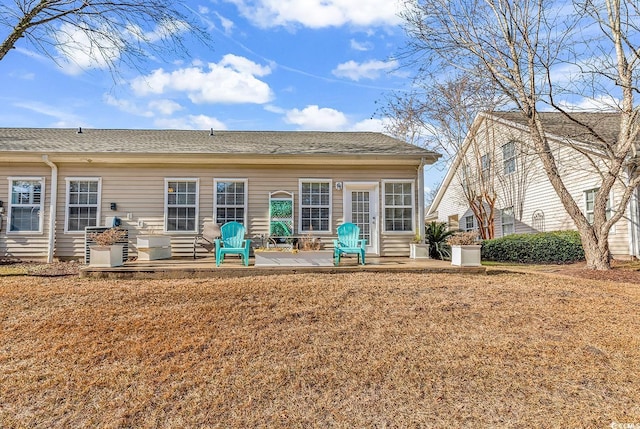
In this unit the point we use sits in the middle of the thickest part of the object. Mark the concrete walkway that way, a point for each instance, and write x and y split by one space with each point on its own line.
232 267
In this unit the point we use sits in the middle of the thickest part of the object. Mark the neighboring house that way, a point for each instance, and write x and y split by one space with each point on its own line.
56 182
496 150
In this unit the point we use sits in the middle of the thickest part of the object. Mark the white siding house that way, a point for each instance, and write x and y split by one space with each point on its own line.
526 201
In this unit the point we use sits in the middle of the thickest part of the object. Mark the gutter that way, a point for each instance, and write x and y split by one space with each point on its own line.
421 216
53 202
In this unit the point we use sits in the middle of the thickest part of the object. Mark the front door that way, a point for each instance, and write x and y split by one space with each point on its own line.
361 208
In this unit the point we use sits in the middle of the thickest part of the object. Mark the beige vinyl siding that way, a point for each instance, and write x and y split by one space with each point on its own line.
25 245
138 190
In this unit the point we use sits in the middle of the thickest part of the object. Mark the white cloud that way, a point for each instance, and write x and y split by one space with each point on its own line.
165 107
63 119
190 122
127 106
226 23
360 46
373 125
599 104
232 80
78 53
317 119
319 13
369 70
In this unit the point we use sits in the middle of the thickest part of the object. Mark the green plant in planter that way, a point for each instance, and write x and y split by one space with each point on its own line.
436 234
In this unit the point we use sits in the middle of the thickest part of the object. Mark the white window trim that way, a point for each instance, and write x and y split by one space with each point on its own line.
610 204
300 206
474 222
11 179
413 207
502 223
246 197
66 203
514 158
196 222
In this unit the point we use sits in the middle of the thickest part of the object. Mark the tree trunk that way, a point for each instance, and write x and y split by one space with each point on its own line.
596 251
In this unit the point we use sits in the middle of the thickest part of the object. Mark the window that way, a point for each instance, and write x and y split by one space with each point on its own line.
25 204
83 202
509 158
470 223
181 208
508 221
315 205
398 206
230 196
590 200
485 165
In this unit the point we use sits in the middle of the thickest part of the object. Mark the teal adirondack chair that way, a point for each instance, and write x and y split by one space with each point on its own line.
232 242
348 242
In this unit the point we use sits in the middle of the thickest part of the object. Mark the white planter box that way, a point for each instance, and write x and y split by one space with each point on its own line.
466 255
152 247
306 258
419 251
105 256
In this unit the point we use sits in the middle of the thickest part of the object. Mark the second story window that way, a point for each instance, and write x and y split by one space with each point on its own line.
509 158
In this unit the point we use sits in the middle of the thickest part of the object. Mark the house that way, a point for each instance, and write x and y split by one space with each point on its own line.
54 183
497 155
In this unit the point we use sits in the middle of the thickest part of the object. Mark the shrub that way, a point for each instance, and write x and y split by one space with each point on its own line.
559 247
436 234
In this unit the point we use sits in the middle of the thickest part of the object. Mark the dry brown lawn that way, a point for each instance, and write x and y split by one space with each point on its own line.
326 350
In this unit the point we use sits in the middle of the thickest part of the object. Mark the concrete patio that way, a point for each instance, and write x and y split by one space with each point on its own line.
233 267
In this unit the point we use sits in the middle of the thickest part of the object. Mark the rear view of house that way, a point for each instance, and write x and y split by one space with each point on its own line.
54 183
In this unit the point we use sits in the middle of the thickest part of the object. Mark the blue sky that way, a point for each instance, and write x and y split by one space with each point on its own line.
274 65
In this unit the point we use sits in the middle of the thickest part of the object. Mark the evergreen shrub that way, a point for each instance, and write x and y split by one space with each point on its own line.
558 247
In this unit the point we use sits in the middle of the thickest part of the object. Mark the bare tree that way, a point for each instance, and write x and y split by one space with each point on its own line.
439 117
538 52
107 32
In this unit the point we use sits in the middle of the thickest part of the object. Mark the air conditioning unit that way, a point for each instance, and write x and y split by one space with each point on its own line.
97 229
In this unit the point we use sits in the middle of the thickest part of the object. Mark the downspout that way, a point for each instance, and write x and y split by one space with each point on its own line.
53 202
420 226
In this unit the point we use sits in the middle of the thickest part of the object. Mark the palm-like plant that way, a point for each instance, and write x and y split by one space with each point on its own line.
437 233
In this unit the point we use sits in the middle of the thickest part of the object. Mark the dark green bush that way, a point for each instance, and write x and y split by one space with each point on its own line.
559 247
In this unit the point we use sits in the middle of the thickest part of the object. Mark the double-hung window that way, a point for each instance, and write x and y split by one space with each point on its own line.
230 200
398 206
25 208
470 223
508 221
485 165
315 205
509 158
83 203
590 200
181 205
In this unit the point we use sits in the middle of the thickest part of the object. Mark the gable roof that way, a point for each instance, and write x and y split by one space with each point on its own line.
97 141
605 124
557 126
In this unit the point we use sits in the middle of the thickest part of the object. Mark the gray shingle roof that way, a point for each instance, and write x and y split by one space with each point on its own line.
58 140
605 124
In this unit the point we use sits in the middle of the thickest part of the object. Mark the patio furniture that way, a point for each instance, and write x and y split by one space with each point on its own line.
348 242
210 231
232 242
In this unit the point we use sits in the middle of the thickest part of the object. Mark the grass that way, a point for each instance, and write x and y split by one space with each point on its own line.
319 350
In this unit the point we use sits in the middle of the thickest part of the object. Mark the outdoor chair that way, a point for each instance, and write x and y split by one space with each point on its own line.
210 231
232 242
348 242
